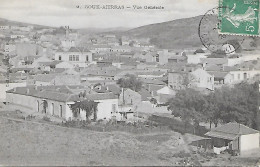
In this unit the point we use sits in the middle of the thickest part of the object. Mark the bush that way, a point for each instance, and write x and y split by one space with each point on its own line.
45 118
101 126
177 125
181 154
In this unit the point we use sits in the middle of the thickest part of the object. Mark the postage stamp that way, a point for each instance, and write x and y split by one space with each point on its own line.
239 17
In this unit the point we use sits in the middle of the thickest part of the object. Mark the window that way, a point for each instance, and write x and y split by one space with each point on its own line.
113 107
38 106
86 57
157 58
70 58
52 107
73 58
60 110
245 76
59 57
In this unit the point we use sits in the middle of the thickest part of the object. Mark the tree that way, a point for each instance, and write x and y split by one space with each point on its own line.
87 105
131 82
234 104
189 105
228 104
153 101
214 106
187 80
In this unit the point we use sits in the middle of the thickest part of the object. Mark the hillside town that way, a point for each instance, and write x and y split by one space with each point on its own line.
64 75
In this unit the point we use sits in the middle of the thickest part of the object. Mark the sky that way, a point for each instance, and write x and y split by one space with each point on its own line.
58 13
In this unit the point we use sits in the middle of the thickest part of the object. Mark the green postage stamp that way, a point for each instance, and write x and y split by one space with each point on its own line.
239 17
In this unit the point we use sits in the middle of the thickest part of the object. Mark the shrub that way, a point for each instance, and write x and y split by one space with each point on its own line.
45 118
181 154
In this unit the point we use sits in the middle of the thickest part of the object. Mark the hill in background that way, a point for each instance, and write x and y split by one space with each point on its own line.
4 22
182 33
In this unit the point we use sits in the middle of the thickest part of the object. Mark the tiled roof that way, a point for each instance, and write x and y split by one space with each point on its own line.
78 49
101 96
153 81
59 93
57 96
218 74
121 47
55 62
58 70
166 90
214 60
100 46
128 53
31 58
45 77
144 94
114 88
250 64
150 73
231 131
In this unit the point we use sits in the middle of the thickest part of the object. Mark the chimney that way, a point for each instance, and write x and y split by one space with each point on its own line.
15 89
27 91
36 87
107 88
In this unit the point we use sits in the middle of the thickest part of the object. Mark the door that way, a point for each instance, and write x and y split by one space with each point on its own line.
60 110
38 106
245 76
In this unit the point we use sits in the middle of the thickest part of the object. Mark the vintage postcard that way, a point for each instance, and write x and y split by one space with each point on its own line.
129 83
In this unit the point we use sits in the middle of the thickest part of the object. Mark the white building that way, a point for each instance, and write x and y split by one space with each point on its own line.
77 56
202 79
234 136
243 74
57 101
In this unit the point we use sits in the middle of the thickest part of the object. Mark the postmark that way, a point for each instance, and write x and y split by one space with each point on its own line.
239 17
212 39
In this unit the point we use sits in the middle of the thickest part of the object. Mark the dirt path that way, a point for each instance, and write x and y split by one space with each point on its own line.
195 157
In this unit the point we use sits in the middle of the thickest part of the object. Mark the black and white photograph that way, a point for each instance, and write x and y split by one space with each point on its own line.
129 83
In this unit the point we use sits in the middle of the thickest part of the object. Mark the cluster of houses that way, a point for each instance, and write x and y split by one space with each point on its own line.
46 70
41 61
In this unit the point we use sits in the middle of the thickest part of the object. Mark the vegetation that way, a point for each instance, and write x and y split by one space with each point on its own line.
190 106
153 101
131 82
239 104
86 105
45 118
135 128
